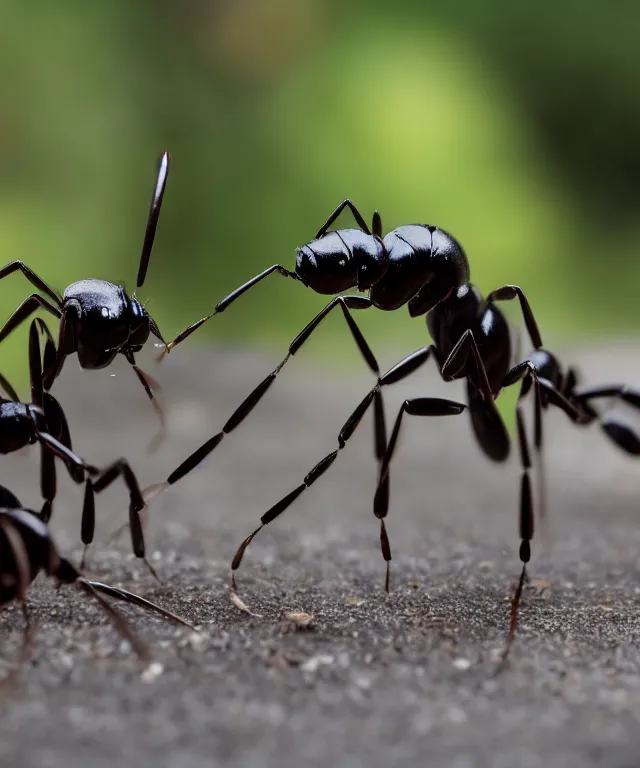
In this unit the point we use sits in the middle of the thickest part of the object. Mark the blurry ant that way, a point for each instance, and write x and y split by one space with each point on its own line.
43 421
26 548
421 266
98 319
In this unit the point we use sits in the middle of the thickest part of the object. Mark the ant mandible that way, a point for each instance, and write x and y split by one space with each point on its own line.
44 421
98 319
425 268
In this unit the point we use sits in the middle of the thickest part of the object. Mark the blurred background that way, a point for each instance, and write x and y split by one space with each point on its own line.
516 128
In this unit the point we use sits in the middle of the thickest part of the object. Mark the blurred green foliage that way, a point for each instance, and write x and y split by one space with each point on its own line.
513 126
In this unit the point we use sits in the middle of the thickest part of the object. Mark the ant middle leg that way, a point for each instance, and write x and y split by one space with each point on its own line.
398 372
104 479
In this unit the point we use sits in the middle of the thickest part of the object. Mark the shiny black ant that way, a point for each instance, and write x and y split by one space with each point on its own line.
26 548
43 421
98 319
421 266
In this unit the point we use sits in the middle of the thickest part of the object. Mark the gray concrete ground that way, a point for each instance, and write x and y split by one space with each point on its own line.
373 680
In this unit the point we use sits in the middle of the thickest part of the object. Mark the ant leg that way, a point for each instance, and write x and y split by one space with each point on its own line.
152 219
20 555
67 455
50 357
318 470
508 292
488 426
28 307
153 327
119 622
88 522
66 346
129 597
526 501
527 372
418 406
224 303
150 386
399 371
136 504
619 432
48 482
14 266
356 215
345 303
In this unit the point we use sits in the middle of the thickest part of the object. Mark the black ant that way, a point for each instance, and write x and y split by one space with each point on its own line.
43 421
421 266
98 319
26 548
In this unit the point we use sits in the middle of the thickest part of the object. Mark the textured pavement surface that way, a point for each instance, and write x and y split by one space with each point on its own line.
403 680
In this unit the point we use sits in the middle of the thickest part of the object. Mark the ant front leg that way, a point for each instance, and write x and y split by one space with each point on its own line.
224 303
345 303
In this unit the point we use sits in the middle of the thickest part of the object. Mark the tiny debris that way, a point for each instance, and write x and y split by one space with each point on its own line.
461 663
299 618
354 600
153 671
197 641
540 584
235 599
313 663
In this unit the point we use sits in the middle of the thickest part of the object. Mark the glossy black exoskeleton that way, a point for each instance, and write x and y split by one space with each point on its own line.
26 548
44 421
415 264
98 319
425 268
